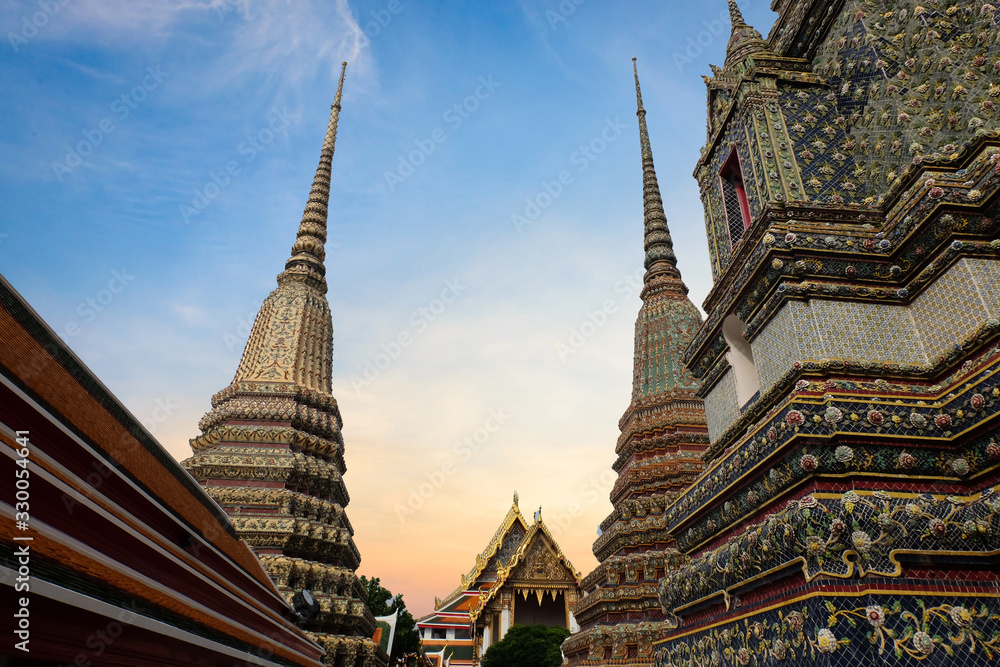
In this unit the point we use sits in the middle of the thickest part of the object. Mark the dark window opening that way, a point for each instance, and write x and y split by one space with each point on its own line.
734 198
439 633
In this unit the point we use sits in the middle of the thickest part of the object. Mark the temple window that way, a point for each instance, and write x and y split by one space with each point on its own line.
439 633
734 198
740 358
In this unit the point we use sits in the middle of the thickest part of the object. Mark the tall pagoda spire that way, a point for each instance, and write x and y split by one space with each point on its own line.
271 451
308 252
657 242
663 433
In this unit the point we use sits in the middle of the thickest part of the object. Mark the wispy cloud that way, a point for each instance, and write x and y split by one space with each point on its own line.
352 42
118 20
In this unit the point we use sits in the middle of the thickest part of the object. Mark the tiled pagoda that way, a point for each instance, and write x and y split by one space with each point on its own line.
663 434
271 451
849 513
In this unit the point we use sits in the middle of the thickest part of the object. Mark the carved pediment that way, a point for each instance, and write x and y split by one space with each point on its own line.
541 563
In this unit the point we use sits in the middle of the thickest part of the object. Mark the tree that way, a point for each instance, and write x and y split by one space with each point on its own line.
528 646
381 601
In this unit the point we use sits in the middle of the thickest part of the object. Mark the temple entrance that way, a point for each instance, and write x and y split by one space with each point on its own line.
550 612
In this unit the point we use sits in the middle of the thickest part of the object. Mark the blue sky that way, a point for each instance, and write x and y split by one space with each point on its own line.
156 157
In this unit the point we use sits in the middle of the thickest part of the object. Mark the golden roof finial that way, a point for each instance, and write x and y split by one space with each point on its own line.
515 498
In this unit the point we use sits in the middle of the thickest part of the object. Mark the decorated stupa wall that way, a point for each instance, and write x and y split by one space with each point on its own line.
848 512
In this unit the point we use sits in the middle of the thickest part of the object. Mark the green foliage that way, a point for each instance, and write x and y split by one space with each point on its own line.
527 646
381 601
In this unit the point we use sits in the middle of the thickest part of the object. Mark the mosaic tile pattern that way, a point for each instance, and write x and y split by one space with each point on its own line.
720 405
887 104
867 331
818 532
921 333
790 336
948 311
872 627
970 401
775 349
986 274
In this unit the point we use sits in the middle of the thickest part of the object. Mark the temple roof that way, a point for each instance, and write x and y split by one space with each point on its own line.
127 534
508 536
537 531
495 564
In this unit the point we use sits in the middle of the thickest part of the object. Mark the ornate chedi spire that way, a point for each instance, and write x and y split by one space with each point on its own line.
308 253
656 238
271 451
744 39
663 434
664 295
735 16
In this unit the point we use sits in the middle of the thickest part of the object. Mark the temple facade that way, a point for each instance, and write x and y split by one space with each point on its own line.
271 451
521 577
849 511
663 434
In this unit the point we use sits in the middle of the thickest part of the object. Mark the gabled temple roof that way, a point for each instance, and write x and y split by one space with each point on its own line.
510 524
536 531
505 551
